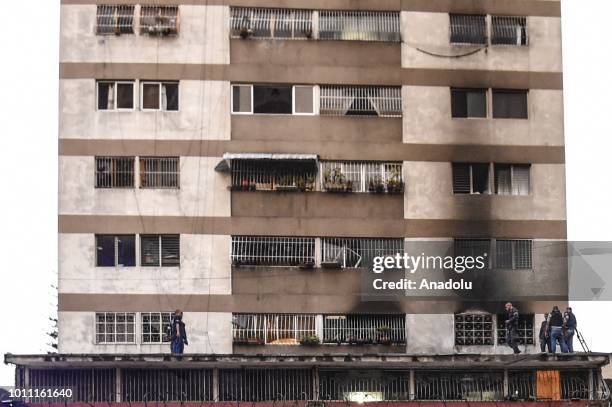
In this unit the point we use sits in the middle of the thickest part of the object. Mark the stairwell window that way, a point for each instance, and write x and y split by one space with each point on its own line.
155 327
114 19
510 104
471 178
273 99
469 103
509 30
115 250
512 179
160 250
159 96
468 29
114 172
115 327
115 95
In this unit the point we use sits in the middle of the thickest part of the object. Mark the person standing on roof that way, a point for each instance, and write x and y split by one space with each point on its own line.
555 325
570 323
512 327
178 334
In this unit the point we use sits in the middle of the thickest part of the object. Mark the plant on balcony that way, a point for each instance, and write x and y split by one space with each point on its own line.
335 181
286 184
310 340
376 185
384 335
395 185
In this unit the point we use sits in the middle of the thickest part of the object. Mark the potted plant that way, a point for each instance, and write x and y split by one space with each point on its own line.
376 185
384 335
335 181
395 185
310 183
309 340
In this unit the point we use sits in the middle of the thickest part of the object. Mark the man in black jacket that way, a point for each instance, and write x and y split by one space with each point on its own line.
544 335
570 323
512 327
178 334
555 325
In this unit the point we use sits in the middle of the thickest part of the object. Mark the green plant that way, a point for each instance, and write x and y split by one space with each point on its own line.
395 185
376 185
310 340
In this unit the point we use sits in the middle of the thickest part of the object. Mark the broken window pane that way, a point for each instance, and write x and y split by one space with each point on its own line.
150 96
269 99
469 103
304 99
509 104
125 95
241 99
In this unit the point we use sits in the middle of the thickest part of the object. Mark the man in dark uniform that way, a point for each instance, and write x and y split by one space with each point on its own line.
512 327
178 335
555 325
569 320
544 335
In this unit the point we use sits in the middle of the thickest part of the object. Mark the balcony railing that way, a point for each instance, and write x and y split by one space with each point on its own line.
469 386
273 329
359 26
357 252
265 23
159 20
273 251
354 176
115 19
273 175
382 101
364 329
468 29
364 385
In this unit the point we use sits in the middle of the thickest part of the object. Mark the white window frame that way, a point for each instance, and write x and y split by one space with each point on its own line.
115 89
315 100
232 98
95 328
293 105
159 84
161 332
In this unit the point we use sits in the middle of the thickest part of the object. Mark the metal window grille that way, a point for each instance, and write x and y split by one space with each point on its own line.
525 329
265 384
364 329
473 248
160 250
115 19
473 329
522 385
506 30
357 252
363 176
575 384
514 254
359 26
87 385
262 175
159 172
382 385
115 327
468 29
155 327
271 23
273 329
273 250
159 20
167 385
383 101
114 172
469 386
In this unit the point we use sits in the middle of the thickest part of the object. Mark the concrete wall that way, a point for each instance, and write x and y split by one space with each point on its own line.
429 195
207 332
430 32
428 119
203 191
205 269
203 38
204 114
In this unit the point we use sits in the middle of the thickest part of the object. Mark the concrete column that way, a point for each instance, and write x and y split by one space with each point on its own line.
315 383
506 384
26 380
591 385
215 384
118 385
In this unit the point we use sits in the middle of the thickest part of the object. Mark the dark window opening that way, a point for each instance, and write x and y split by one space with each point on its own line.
269 99
471 178
469 103
115 251
509 104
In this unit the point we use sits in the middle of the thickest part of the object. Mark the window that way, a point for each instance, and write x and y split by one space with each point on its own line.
525 329
471 178
272 99
473 329
115 19
359 26
509 104
159 172
512 179
273 329
355 176
357 252
115 251
473 248
383 101
114 172
273 251
160 96
469 103
364 329
115 327
159 20
155 327
509 30
468 29
160 250
271 23
115 95
514 254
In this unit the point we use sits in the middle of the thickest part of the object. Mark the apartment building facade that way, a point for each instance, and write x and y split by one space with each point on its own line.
245 161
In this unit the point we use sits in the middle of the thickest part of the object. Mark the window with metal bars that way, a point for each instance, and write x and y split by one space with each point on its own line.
273 251
575 385
473 329
364 329
160 250
512 179
115 19
514 254
509 30
510 104
382 101
264 23
115 327
166 385
159 96
468 29
473 248
359 26
357 252
272 329
457 385
87 385
159 20
115 251
356 176
115 95
159 172
525 329
270 175
155 327
265 384
114 172
364 385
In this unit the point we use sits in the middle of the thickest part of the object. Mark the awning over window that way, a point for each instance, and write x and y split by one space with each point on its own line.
225 164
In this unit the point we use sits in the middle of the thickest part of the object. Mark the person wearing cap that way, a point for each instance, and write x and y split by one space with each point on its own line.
178 335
